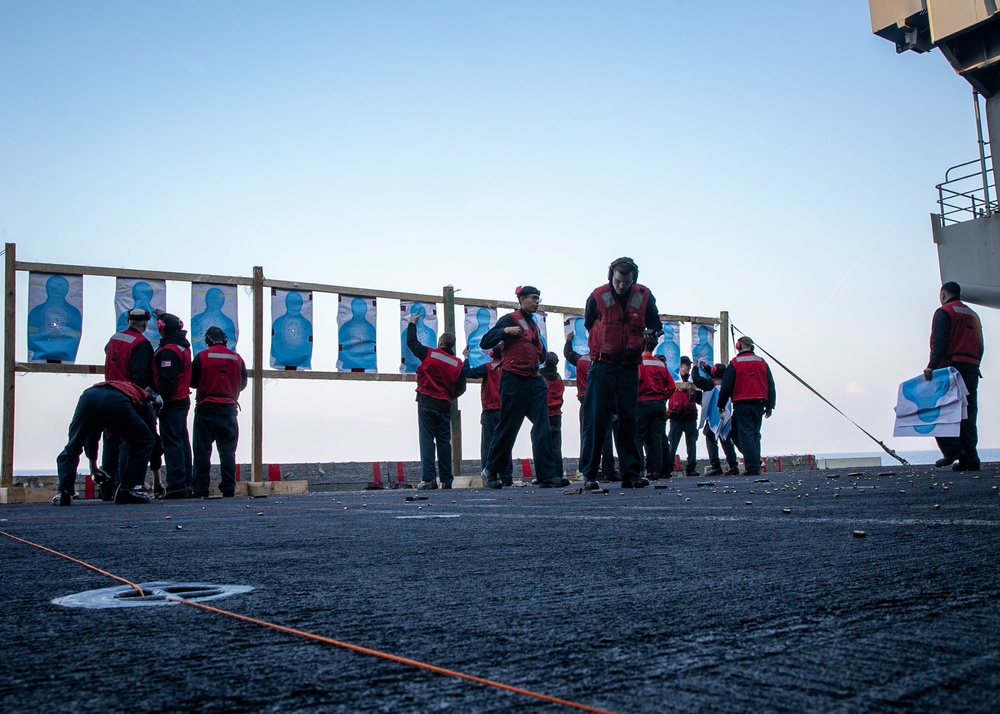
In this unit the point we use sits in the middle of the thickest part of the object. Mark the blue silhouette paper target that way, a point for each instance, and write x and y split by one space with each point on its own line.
581 344
669 345
356 334
55 317
292 329
213 306
539 318
142 293
932 407
703 344
427 325
478 321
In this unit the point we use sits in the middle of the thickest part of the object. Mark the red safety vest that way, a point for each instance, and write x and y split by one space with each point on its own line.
523 354
220 377
965 340
137 395
582 369
438 373
682 403
489 393
118 355
655 380
616 336
555 400
182 390
751 377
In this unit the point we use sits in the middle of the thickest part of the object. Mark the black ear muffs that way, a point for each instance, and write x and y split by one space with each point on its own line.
626 264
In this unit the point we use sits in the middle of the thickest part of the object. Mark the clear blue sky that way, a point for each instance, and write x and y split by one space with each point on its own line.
772 159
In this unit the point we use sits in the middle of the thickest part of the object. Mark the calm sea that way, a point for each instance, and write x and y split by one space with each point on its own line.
914 457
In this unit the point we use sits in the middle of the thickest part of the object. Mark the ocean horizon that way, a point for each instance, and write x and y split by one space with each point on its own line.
913 457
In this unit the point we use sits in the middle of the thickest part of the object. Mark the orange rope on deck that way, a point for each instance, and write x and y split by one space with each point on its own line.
395 658
78 562
346 645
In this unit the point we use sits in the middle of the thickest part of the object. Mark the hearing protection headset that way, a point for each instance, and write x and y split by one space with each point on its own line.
624 265
160 324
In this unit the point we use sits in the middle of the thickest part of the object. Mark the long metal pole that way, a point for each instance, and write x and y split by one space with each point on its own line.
9 344
982 154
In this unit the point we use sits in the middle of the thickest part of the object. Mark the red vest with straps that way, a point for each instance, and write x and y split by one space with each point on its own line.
655 380
616 336
555 399
220 376
166 354
438 373
523 354
965 340
582 369
137 395
118 355
751 377
683 403
489 393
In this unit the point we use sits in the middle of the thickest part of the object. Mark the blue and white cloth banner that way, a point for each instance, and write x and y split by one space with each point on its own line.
214 306
718 424
427 325
539 318
933 407
292 329
478 321
703 344
709 409
669 345
581 342
356 334
142 293
55 317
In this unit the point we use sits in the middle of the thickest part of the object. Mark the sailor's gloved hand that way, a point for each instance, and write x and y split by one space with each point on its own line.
100 476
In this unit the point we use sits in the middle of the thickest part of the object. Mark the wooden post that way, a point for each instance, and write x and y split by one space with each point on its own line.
9 345
257 457
456 413
724 337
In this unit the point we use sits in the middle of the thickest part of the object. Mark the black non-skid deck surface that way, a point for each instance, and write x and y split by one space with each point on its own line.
683 598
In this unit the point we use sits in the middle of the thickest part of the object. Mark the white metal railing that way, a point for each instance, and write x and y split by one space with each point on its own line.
967 192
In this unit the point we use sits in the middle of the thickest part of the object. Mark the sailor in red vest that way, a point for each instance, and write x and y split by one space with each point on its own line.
708 379
682 411
489 395
172 381
440 381
617 316
957 341
748 382
523 393
655 387
123 409
582 364
555 403
128 357
218 375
